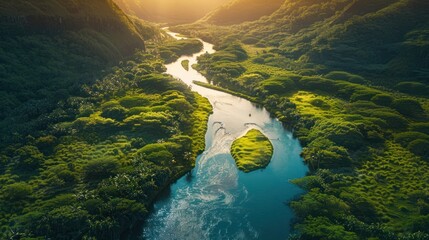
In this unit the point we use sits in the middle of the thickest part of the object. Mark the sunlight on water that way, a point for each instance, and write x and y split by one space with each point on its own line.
216 201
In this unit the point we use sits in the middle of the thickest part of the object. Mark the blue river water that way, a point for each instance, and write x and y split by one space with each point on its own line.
216 200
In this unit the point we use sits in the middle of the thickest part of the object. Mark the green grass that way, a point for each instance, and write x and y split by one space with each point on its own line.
199 123
252 151
185 64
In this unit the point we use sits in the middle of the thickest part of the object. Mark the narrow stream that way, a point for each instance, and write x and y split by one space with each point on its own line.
215 200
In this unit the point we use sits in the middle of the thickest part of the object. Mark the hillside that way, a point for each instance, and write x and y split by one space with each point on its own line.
67 44
91 130
239 11
169 11
335 34
350 78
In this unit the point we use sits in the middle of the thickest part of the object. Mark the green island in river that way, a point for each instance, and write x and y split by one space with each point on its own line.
252 151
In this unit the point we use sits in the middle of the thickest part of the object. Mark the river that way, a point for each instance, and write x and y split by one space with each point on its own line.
217 201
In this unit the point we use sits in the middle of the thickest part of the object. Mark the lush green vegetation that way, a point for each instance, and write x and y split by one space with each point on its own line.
95 173
91 128
252 151
172 50
365 144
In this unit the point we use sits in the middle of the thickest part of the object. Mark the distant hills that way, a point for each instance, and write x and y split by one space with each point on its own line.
238 11
169 11
370 37
383 39
51 16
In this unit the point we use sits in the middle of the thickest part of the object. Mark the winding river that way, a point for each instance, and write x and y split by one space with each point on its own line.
215 200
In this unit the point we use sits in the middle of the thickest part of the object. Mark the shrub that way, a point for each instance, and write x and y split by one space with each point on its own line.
116 113
17 191
413 88
323 228
419 147
404 138
156 153
28 157
365 95
382 99
339 75
340 132
316 204
134 101
277 85
420 127
393 120
408 107
100 169
322 153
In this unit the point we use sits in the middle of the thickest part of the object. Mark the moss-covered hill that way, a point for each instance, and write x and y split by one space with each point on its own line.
252 151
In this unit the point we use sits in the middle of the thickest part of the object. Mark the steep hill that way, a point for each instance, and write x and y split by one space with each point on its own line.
49 49
170 11
239 11
371 37
387 41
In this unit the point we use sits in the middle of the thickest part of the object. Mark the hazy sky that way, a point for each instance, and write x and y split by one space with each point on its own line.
164 10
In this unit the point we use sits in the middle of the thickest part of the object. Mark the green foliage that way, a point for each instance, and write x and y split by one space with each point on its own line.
413 88
382 99
277 85
134 101
420 147
420 127
322 153
323 228
404 138
116 113
306 65
28 157
408 107
100 168
339 75
252 151
318 204
17 192
342 133
172 50
90 173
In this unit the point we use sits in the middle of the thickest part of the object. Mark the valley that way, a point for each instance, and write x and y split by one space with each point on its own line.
113 127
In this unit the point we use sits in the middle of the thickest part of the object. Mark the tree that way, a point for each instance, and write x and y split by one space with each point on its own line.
28 157
408 107
321 228
100 168
17 191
